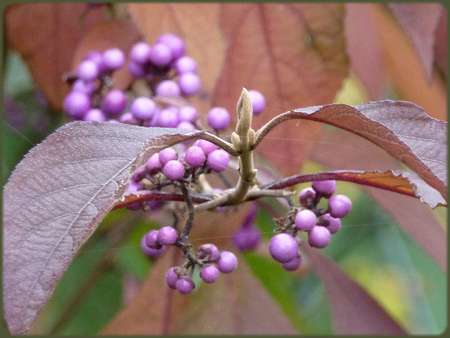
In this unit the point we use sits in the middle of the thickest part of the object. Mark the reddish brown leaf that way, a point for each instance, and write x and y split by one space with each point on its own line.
342 150
402 129
365 49
114 33
441 44
354 311
420 22
46 36
406 71
294 54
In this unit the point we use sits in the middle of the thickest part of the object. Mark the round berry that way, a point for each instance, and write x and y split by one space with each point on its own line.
167 155
173 170
332 224
167 235
77 104
187 113
293 264
128 118
258 101
143 108
151 252
87 70
319 237
339 205
209 274
219 118
175 44
227 262
84 87
140 53
153 164
283 247
151 239
95 115
307 196
206 146
139 173
186 126
189 83
305 220
113 58
218 160
171 277
208 251
247 238
114 102
167 88
97 58
195 157
160 55
184 285
136 69
185 64
168 118
325 188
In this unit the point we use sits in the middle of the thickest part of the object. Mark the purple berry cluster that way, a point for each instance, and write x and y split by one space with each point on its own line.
155 242
319 224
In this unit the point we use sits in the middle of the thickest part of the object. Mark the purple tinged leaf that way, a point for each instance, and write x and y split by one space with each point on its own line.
56 197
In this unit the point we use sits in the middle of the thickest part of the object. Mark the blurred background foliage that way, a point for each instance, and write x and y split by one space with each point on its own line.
371 247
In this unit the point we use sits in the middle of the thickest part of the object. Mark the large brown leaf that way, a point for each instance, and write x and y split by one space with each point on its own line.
294 54
402 129
420 22
56 197
354 311
441 43
46 36
349 151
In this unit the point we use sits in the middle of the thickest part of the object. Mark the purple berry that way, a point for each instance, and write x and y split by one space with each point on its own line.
97 58
113 59
187 113
151 239
189 83
140 53
133 187
206 146
227 262
84 87
175 44
283 247
209 252
87 70
160 55
293 264
332 224
114 102
305 220
173 170
219 118
209 274
186 126
185 64
319 237
167 88
151 252
339 205
218 160
139 173
325 188
167 155
77 104
195 157
136 69
153 164
128 118
184 285
143 108
258 101
168 118
307 196
247 238
171 277
167 235
95 115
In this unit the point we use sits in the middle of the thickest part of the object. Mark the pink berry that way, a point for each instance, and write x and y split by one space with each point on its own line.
332 224
189 83
167 235
95 115
258 101
283 247
187 113
293 264
185 285
195 157
339 205
167 88
174 170
160 55
87 70
209 274
175 44
305 220
151 239
325 188
185 64
151 252
319 237
218 160
153 164
206 146
227 262
171 277
307 196
208 251
219 118
167 155
113 59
